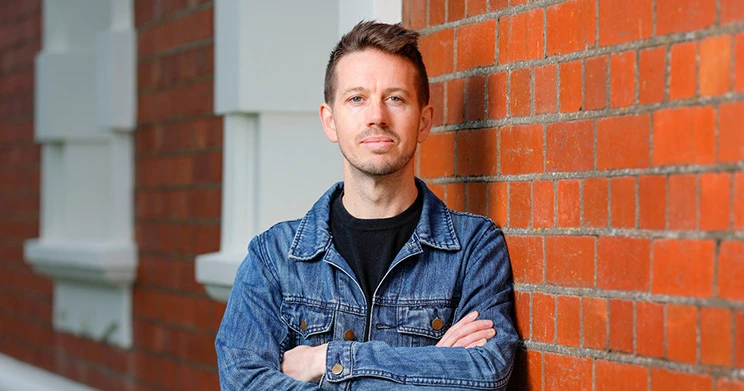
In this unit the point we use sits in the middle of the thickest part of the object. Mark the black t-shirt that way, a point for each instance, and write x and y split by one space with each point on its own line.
370 245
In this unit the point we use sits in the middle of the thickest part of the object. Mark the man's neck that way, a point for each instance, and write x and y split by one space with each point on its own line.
379 197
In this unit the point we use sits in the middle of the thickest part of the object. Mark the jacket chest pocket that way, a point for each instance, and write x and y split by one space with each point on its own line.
424 325
308 324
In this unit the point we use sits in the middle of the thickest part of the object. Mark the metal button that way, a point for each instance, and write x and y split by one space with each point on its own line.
337 369
437 324
303 325
349 335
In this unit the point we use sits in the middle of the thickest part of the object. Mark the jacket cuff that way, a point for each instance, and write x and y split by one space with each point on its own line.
338 366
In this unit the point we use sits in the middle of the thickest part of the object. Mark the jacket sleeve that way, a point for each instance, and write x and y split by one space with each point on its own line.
487 288
249 341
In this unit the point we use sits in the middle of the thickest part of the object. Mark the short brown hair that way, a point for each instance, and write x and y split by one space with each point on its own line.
388 38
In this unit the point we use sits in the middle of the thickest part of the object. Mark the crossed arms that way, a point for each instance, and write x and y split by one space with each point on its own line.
475 353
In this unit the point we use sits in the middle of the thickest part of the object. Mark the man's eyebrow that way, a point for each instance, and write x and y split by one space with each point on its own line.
387 91
353 89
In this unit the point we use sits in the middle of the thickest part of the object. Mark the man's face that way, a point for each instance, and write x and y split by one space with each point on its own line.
376 118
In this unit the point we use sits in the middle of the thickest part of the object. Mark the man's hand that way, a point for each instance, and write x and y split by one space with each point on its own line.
305 363
468 332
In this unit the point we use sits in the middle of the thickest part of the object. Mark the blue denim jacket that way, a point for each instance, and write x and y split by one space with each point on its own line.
293 288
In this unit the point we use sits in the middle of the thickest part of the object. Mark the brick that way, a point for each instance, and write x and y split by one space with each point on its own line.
570 86
663 380
570 146
651 75
622 79
521 36
455 10
436 99
731 11
520 204
682 202
623 202
543 204
437 51
455 196
499 4
739 62
569 203
476 7
623 142
731 270
569 320
730 136
437 155
649 329
476 92
571 26
715 336
437 13
739 201
715 197
185 29
596 202
522 312
498 200
739 339
476 152
519 96
567 373
652 197
543 317
570 261
476 45
595 83
546 93
673 16
455 101
526 254
715 61
621 325
684 136
623 263
624 22
724 384
417 13
614 376
681 326
497 92
683 267
683 76
475 197
521 149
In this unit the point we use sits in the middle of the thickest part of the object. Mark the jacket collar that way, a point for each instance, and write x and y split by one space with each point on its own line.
313 236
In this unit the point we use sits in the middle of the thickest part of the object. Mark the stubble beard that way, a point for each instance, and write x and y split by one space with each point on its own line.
377 169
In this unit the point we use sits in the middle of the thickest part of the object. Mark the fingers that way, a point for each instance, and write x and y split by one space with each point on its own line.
477 343
467 331
475 337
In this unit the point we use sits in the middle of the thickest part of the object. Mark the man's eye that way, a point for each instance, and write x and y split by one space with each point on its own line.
396 99
355 99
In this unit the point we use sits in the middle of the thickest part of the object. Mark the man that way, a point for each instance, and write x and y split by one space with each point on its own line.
379 286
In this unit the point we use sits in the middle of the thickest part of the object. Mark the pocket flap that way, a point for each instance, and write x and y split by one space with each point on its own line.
306 319
426 321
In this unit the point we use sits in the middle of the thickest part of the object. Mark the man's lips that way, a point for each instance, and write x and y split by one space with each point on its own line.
377 140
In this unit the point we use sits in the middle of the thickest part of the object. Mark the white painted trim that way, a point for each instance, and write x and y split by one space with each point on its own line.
16 375
84 114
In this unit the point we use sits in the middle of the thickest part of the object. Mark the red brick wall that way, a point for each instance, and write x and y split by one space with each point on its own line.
606 137
178 157
178 195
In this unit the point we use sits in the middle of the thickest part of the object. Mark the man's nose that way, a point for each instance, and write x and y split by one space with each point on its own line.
377 113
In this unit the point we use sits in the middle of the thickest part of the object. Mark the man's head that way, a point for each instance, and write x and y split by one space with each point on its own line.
388 38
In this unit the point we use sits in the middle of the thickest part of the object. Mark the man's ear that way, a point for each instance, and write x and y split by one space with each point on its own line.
425 123
329 126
